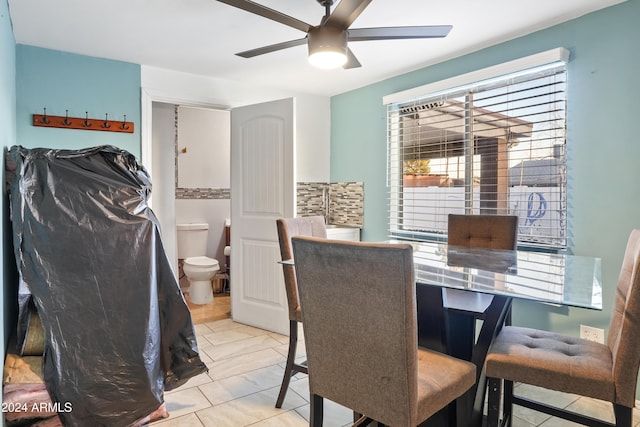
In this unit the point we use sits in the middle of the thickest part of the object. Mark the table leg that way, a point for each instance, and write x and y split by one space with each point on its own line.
432 324
494 320
435 333
461 334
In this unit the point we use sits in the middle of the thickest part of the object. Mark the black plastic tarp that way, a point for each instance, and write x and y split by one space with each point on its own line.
118 332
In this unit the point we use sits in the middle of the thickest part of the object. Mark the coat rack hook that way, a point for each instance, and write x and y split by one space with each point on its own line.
85 123
66 120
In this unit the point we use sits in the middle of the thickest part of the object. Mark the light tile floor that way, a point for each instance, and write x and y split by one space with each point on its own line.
245 370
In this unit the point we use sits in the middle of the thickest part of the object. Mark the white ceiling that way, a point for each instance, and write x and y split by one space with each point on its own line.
201 36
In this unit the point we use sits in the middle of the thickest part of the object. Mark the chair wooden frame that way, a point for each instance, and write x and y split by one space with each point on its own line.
287 228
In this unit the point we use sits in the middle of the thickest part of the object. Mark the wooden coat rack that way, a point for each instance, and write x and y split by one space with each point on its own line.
85 123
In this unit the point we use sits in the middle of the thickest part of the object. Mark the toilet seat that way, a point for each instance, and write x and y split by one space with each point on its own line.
202 261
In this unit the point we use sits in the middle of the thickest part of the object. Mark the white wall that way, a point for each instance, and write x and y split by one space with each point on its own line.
172 87
171 211
205 133
313 138
163 179
203 148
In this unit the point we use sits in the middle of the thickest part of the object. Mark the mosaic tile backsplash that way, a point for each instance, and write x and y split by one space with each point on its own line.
203 193
341 203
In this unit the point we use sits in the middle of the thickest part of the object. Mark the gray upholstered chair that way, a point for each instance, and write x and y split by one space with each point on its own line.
359 318
287 228
475 231
602 371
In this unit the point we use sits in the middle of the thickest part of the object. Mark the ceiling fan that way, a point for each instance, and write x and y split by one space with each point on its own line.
327 41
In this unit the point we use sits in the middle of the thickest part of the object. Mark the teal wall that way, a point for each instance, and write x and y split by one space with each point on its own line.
63 81
602 142
32 78
7 139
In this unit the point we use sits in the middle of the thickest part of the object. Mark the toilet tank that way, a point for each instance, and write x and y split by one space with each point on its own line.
192 239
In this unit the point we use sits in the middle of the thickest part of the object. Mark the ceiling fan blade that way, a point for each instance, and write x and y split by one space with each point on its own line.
352 61
272 48
346 12
391 33
265 12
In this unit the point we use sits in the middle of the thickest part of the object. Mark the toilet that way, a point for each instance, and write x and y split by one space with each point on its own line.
199 269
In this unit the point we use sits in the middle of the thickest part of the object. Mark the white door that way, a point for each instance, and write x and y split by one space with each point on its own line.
262 190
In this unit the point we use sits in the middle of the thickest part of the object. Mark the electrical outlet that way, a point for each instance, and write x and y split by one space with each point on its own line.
592 334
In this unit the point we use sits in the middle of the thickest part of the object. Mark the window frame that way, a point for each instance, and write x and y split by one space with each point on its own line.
459 84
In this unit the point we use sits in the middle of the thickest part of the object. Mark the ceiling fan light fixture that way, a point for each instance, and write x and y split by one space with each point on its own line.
327 42
327 59
327 47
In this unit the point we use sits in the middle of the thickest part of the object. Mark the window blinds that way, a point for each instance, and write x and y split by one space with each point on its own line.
495 146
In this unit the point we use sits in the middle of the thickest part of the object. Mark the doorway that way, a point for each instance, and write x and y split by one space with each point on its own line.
190 177
254 284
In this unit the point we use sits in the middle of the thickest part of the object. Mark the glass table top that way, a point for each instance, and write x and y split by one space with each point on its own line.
545 277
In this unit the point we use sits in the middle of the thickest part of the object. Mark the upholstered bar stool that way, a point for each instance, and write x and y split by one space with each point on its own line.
359 318
474 231
602 371
287 228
